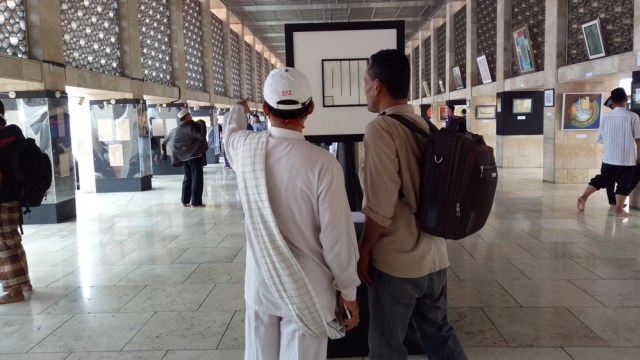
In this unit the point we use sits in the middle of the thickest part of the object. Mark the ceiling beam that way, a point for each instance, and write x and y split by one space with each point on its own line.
282 22
354 5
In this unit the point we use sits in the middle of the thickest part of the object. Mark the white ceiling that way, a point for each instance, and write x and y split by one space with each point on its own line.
266 18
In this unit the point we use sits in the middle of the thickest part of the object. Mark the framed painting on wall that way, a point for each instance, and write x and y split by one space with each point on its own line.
522 106
457 78
523 50
441 84
592 33
581 111
549 95
427 93
442 112
485 112
483 66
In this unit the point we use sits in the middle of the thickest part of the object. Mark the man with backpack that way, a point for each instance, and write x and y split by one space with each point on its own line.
404 267
14 272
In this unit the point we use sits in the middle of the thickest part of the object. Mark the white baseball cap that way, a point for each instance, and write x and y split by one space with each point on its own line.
182 113
287 89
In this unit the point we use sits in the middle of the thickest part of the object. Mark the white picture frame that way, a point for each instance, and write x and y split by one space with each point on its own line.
483 66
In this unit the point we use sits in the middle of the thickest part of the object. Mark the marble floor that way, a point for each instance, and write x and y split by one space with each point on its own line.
137 276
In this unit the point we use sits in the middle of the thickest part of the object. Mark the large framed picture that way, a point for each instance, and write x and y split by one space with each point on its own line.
522 106
457 78
581 111
441 85
483 66
485 112
592 32
523 50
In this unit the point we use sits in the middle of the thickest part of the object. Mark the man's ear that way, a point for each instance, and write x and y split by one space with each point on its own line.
265 109
377 86
312 106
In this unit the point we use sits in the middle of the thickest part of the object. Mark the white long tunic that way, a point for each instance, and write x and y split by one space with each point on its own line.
308 198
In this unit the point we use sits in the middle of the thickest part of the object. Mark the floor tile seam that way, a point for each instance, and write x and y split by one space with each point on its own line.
206 297
483 309
131 299
136 267
225 331
71 316
153 314
587 326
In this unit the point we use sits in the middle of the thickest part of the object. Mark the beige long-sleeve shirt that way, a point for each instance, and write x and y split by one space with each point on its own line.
390 165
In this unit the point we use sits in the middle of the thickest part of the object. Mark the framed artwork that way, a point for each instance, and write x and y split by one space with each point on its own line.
592 32
485 112
342 83
457 78
549 95
581 111
522 106
442 112
441 84
457 110
635 95
498 104
425 85
523 50
483 66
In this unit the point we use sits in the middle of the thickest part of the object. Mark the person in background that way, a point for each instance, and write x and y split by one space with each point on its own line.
405 269
619 134
187 146
14 270
301 242
203 131
257 124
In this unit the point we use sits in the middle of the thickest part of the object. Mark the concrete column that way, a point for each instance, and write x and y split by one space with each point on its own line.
207 49
555 57
44 27
130 45
636 28
435 24
503 47
472 47
177 48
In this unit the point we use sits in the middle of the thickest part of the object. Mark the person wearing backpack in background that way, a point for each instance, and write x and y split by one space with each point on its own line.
405 268
14 272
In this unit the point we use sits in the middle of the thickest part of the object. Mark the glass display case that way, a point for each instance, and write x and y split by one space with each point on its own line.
44 116
121 141
161 119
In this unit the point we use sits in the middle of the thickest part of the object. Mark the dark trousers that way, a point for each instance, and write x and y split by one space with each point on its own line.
625 177
193 181
394 302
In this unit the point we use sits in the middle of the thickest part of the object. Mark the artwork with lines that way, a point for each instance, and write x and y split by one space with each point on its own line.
342 82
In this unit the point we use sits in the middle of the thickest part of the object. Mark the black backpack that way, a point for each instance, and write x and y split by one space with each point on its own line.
458 181
31 169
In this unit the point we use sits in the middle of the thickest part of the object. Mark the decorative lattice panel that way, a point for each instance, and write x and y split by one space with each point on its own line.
532 14
441 40
235 65
460 39
248 70
13 28
91 39
192 25
426 69
415 65
259 72
616 19
487 34
155 40
217 40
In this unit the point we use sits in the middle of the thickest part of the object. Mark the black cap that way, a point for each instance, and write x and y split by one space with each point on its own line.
618 95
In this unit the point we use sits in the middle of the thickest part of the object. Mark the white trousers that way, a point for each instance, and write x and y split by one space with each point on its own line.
270 337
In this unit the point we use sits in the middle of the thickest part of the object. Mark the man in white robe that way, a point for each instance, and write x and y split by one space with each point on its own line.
309 211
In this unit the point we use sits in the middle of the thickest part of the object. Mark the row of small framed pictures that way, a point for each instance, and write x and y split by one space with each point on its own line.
523 51
580 111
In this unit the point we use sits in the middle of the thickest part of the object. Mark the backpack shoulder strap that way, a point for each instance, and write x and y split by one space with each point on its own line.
411 126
